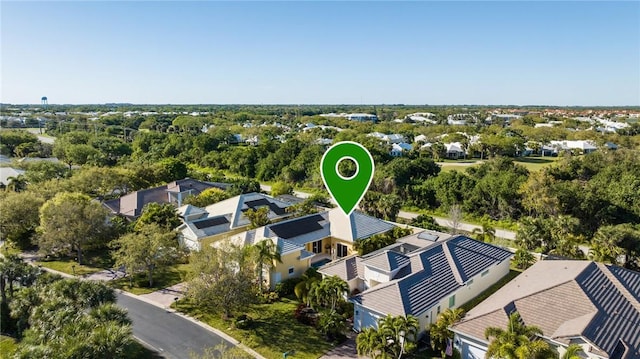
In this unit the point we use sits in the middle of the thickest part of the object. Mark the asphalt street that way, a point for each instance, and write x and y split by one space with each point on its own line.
172 336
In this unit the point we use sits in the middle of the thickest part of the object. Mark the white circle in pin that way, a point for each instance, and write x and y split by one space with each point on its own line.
340 174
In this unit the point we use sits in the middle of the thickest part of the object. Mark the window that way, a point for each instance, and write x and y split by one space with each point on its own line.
485 273
452 301
291 270
316 247
341 250
470 282
438 310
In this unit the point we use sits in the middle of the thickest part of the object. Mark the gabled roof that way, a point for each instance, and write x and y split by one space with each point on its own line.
190 210
235 207
387 261
569 299
346 268
435 273
356 226
131 204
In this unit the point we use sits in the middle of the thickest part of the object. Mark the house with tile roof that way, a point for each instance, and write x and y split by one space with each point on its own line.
421 276
131 204
199 224
594 305
313 239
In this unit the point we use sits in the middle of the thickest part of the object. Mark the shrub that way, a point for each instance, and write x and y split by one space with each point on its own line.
305 315
268 298
287 287
243 322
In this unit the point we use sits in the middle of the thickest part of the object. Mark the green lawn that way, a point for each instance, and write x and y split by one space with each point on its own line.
274 331
487 292
7 346
161 279
535 164
93 262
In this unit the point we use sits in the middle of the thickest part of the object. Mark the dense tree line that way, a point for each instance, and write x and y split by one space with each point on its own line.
61 318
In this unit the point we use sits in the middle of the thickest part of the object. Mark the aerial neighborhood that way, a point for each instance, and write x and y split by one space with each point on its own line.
484 231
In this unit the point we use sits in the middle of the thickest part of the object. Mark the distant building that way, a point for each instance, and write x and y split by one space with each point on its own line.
362 117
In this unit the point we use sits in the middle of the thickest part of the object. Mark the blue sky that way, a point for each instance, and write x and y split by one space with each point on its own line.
555 53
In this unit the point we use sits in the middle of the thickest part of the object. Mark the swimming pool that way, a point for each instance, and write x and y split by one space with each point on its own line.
320 263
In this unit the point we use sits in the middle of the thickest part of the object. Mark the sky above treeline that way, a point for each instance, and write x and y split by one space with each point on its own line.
207 52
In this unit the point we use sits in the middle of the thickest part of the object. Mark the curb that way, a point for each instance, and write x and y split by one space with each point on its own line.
218 332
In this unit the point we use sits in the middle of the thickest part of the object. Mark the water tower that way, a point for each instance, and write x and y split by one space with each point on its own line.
44 101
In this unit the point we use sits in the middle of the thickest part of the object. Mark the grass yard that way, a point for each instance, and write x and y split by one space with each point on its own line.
8 346
494 288
161 279
93 262
535 164
273 332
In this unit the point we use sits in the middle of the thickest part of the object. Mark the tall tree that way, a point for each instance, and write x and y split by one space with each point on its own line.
258 217
439 331
72 221
222 279
266 254
19 217
162 214
148 249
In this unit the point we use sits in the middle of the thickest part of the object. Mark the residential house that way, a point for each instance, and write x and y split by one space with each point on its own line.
7 172
420 276
131 205
313 240
362 117
399 149
228 215
584 147
455 150
594 305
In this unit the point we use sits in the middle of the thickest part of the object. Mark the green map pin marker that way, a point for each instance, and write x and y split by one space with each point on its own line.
347 191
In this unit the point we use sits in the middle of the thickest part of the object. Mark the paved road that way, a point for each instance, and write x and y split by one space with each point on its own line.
173 336
468 227
44 139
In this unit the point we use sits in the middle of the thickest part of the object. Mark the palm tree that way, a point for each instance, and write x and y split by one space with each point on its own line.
401 331
335 289
370 342
573 352
266 254
439 331
17 183
516 341
523 259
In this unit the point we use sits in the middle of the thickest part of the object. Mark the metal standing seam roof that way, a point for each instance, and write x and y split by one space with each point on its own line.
595 301
433 276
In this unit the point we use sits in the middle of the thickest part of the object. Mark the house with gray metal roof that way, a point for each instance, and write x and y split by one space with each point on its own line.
594 305
421 276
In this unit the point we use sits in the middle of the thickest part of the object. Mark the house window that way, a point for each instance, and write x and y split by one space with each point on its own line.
316 247
438 310
485 273
341 250
452 301
470 282
291 270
